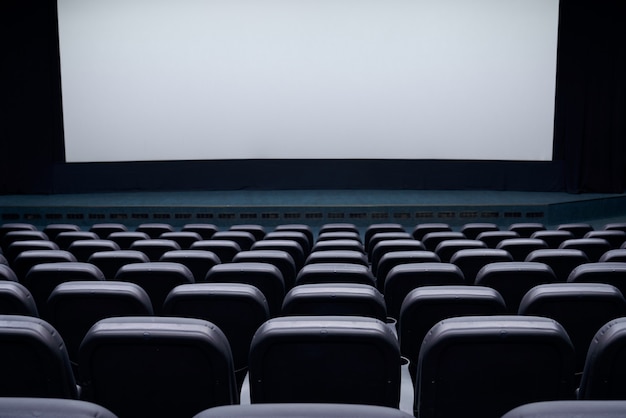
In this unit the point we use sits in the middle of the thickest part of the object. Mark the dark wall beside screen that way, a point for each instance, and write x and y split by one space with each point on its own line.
589 129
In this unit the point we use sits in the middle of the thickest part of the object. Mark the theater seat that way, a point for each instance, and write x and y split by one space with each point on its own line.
335 273
337 256
237 309
265 277
578 229
513 279
206 231
155 248
338 244
527 229
157 366
614 255
51 408
157 279
581 308
126 239
376 228
335 235
154 229
473 229
385 236
52 230
423 307
552 237
446 249
432 239
302 410
199 262
424 228
604 376
104 229
21 235
183 238
258 231
292 247
406 277
484 366
65 239
613 273
351 299
27 259
305 229
224 249
519 248
325 359
567 409
83 249
592 247
15 299
281 259
18 247
615 226
561 261
109 262
300 237
396 258
73 307
338 227
33 360
15 226
471 260
7 273
43 278
614 237
243 238
387 246
493 238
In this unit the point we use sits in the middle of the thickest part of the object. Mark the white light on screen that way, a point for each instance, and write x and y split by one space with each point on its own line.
340 79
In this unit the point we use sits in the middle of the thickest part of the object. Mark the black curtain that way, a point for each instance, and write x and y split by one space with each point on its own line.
591 95
30 96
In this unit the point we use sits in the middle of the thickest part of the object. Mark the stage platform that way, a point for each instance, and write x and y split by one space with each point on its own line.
315 207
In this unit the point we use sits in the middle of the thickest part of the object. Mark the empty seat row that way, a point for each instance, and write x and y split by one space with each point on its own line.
511 279
610 232
50 407
273 273
240 237
133 366
239 309
64 234
515 249
73 307
486 366
174 366
581 309
156 366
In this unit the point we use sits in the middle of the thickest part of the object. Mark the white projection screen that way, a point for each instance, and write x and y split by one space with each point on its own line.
152 80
